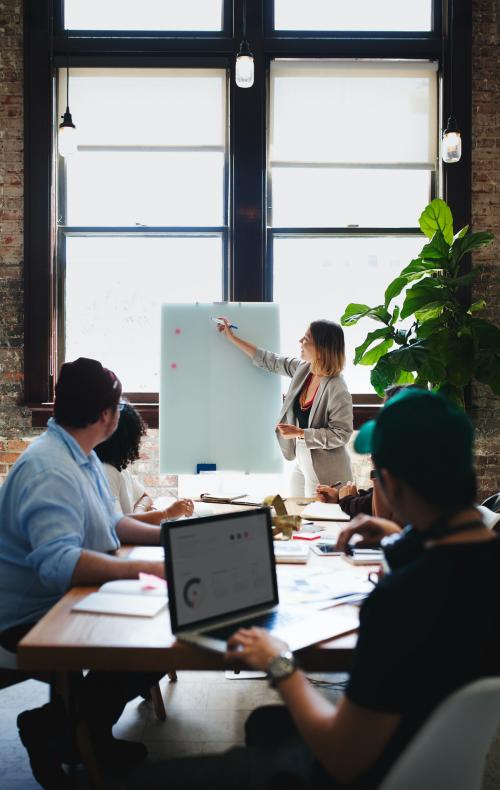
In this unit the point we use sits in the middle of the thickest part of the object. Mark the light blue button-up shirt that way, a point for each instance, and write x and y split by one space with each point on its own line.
55 502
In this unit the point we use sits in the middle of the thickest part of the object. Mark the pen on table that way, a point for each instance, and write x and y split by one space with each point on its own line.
220 321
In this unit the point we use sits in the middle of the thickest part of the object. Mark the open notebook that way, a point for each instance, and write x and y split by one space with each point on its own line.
317 511
125 597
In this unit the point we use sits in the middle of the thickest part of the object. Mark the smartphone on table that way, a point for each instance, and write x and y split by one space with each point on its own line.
326 548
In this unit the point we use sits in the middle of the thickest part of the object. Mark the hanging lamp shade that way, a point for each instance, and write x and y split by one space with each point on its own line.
244 74
451 145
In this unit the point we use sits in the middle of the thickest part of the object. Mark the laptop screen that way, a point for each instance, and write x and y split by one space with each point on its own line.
219 566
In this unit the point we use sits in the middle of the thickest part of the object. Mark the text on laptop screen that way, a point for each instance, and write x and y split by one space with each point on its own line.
221 567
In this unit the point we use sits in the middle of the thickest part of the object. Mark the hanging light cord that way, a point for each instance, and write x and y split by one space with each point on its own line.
450 40
244 28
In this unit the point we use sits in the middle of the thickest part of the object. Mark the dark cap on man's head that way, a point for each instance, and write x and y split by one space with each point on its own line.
84 389
420 437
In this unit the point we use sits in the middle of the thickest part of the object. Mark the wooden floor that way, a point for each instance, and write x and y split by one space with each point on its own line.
205 713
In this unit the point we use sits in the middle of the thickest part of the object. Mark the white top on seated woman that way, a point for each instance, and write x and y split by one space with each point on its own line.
117 454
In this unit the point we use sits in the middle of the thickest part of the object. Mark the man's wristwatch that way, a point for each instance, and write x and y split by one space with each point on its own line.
281 666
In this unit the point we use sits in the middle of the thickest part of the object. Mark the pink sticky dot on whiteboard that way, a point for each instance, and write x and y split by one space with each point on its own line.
177 331
173 365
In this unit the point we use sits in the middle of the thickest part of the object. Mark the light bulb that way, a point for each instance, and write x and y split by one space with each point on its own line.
451 146
67 140
244 73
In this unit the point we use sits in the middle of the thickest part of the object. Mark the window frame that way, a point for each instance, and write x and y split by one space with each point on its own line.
47 46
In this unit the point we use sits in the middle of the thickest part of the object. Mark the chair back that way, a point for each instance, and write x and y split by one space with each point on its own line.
492 503
450 749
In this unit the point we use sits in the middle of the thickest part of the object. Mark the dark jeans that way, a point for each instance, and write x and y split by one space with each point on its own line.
100 697
274 758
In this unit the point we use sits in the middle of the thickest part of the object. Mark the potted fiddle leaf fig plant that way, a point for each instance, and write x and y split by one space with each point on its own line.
436 338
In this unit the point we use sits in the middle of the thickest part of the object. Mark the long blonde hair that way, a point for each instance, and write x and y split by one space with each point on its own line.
328 338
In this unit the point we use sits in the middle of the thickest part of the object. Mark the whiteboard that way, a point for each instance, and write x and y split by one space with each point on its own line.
216 407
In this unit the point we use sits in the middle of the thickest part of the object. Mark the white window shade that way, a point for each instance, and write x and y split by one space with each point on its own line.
354 15
147 107
344 113
146 15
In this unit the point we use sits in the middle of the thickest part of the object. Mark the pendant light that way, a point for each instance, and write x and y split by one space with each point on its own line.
244 73
67 141
451 145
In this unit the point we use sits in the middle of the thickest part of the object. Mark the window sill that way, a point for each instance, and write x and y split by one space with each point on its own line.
40 413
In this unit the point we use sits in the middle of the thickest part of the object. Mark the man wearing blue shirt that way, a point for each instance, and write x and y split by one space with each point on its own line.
59 529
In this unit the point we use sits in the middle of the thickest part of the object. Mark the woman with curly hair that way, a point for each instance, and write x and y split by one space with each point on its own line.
117 454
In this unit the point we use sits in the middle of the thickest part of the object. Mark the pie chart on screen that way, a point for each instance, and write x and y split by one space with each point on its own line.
193 592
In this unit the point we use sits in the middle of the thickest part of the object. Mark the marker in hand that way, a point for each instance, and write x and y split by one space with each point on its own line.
221 322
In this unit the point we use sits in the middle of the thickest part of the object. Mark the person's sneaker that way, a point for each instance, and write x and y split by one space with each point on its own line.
37 735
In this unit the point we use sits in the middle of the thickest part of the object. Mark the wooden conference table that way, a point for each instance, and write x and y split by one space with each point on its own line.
65 641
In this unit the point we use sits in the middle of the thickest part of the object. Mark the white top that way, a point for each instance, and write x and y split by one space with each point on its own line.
125 487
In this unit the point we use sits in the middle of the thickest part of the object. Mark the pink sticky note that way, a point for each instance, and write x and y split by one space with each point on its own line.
151 582
177 331
173 365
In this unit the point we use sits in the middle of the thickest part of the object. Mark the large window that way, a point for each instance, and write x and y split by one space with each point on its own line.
143 216
352 163
305 188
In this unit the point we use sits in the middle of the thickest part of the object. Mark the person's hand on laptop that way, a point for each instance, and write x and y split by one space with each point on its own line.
255 646
371 530
327 494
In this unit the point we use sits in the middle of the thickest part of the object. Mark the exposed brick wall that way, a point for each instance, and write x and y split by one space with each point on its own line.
486 216
10 450
15 419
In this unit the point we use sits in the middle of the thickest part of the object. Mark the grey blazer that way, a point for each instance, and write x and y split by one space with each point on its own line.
330 419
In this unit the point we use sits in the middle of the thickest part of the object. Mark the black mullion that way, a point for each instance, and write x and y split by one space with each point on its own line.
343 231
248 144
144 230
139 60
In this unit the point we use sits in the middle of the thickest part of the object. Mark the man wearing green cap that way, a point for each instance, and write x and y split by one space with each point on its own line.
417 643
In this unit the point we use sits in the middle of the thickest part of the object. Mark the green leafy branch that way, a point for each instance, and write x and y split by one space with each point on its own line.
447 345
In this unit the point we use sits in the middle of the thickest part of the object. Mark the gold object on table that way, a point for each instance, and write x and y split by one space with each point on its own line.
283 524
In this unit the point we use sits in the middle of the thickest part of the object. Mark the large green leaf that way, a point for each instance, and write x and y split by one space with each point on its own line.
461 232
405 378
457 354
373 355
429 312
438 249
462 281
486 334
477 306
385 332
422 294
437 216
394 289
354 312
418 266
429 327
383 374
419 358
470 242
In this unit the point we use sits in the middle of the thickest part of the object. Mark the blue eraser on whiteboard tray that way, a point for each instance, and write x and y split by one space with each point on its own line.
205 468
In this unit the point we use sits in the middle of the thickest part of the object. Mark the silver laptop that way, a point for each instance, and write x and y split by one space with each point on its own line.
221 576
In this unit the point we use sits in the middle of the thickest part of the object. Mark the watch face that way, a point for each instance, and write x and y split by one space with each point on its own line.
282 666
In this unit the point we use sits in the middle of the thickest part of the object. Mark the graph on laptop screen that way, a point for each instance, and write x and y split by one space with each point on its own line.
221 567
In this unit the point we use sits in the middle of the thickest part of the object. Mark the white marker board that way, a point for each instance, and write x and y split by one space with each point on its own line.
216 407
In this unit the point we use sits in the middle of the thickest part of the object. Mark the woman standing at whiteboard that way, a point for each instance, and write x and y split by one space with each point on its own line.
315 422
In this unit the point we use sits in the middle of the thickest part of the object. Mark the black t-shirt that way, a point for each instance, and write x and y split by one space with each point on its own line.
425 631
